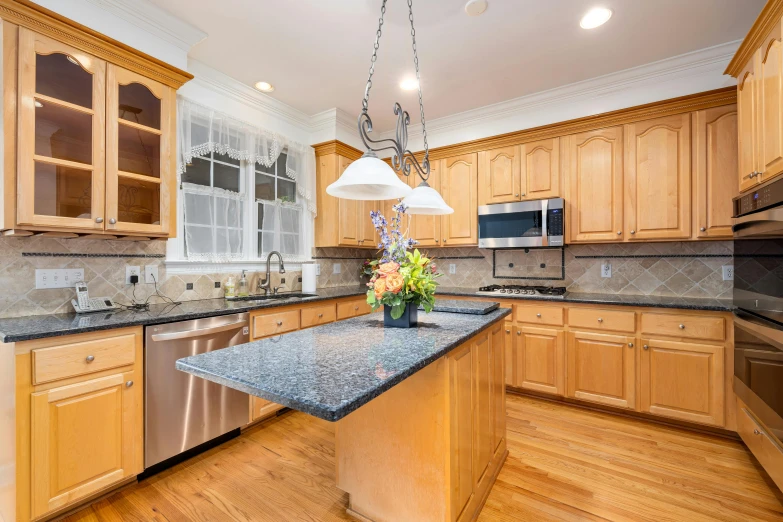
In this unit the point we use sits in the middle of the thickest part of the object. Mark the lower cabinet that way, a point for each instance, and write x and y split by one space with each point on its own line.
683 380
540 359
602 368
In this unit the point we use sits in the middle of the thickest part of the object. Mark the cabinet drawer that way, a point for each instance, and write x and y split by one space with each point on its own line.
691 326
273 324
768 453
318 315
84 357
597 319
539 314
348 309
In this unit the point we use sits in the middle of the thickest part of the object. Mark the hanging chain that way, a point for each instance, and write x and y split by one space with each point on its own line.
366 99
418 82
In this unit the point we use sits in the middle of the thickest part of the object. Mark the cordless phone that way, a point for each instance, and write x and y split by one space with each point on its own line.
84 304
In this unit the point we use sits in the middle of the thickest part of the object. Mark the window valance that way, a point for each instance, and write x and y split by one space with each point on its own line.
202 130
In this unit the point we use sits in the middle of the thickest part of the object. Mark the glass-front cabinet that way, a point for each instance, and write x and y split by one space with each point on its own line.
95 146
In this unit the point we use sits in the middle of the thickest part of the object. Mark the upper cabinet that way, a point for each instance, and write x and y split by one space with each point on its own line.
747 99
540 169
520 173
658 178
459 188
89 144
499 176
426 228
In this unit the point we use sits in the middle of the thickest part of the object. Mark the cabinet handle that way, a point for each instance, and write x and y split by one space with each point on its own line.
538 315
645 347
99 220
682 327
619 232
703 229
129 384
756 432
633 231
112 221
90 358
630 345
600 320
279 323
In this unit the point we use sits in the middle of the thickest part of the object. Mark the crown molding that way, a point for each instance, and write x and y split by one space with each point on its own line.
766 21
337 147
709 61
156 21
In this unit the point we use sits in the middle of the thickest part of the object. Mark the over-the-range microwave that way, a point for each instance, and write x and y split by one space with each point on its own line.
538 223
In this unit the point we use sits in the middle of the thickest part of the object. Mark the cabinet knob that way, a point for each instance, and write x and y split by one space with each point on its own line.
279 323
630 345
90 358
99 220
129 384
522 194
320 316
437 240
633 231
645 347
538 315
682 327
516 195
619 232
600 320
703 229
756 432
519 332
444 240
112 221
508 331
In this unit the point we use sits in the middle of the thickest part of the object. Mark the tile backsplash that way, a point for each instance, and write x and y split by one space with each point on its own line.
683 269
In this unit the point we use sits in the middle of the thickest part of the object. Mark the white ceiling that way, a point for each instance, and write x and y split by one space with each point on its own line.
316 52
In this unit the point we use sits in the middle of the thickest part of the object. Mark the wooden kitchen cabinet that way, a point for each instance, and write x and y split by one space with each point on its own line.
540 359
459 187
658 178
519 173
509 345
683 380
770 106
594 170
747 128
715 157
602 368
499 177
540 169
347 211
423 228
86 151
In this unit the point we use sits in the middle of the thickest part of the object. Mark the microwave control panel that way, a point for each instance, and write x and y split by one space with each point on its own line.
764 197
555 222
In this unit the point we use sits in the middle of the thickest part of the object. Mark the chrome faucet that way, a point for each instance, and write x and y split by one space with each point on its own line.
266 286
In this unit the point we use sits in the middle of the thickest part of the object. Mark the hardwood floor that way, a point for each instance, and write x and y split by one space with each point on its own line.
565 463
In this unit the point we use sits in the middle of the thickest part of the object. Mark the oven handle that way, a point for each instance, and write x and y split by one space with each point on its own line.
544 218
766 222
767 333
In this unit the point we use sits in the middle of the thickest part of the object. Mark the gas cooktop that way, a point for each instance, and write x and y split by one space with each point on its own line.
555 292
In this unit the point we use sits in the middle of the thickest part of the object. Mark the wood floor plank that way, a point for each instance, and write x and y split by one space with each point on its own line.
565 464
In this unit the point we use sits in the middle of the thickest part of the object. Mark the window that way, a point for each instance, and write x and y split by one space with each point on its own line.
278 210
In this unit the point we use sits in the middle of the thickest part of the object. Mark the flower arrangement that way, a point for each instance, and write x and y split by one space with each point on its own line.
400 278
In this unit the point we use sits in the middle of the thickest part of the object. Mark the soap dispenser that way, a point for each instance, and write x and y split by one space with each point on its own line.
243 286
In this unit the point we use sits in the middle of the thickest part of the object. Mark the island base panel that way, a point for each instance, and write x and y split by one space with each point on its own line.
431 447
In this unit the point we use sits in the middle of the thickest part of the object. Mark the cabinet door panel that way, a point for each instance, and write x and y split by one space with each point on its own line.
658 178
509 332
61 135
423 228
541 360
459 185
83 439
499 176
140 157
602 369
683 381
595 181
498 387
540 168
770 91
746 110
462 390
715 157
348 227
484 427
367 235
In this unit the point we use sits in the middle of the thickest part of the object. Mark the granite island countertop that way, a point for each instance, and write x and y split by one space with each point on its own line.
331 370
42 326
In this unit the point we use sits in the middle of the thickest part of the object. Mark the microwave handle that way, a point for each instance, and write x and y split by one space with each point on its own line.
766 222
544 220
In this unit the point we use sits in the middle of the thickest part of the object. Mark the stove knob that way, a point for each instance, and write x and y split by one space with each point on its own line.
516 291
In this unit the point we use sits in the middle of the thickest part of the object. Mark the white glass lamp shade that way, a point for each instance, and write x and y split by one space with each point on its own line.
368 178
426 200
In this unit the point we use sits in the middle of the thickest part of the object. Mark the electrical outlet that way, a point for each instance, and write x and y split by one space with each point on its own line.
58 277
728 272
129 271
151 274
318 269
337 268
606 269
452 268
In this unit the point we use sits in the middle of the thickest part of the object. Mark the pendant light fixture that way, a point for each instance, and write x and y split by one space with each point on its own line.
370 178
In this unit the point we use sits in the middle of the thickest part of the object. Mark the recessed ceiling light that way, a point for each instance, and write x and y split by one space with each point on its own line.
264 86
38 104
476 7
411 84
595 17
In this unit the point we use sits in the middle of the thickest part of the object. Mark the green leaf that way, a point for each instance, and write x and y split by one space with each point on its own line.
397 310
370 297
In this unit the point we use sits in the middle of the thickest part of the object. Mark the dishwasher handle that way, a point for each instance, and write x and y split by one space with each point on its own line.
198 333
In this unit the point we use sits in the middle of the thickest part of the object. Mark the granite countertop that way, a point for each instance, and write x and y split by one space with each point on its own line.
460 306
331 370
41 326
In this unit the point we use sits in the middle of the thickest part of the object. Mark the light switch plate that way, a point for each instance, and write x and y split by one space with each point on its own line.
606 269
131 270
58 277
728 272
318 269
337 268
452 268
151 274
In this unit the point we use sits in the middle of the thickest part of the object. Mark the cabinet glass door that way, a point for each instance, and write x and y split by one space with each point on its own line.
139 166
61 135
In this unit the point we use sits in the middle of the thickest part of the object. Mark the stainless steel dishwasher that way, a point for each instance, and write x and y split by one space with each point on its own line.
182 411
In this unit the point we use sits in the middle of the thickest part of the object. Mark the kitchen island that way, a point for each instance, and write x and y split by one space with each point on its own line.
420 412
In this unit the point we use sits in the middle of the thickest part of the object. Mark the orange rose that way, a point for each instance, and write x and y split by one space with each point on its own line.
394 283
379 288
388 268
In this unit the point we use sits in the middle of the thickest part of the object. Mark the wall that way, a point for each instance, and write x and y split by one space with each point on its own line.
690 269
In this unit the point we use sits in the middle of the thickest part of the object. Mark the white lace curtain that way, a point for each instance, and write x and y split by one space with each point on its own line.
213 223
202 130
